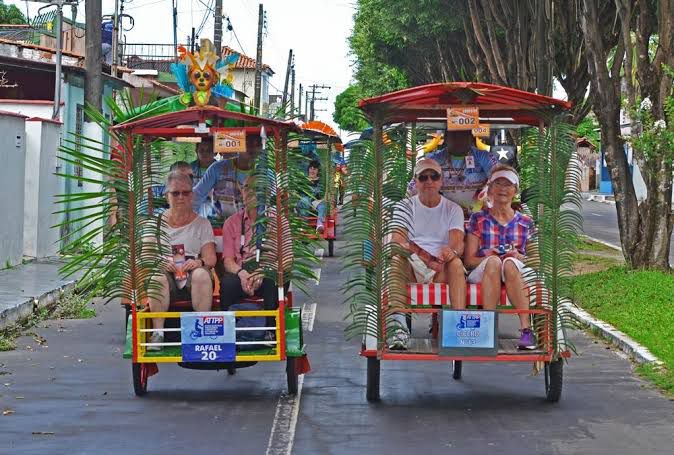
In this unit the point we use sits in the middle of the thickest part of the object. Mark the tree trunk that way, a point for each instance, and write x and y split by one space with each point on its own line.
646 228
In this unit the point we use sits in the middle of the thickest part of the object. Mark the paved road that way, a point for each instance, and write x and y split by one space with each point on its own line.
601 221
79 388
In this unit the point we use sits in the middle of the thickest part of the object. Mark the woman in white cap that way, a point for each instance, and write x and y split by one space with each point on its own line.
496 247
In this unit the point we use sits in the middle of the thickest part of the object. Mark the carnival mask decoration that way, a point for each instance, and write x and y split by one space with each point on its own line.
201 74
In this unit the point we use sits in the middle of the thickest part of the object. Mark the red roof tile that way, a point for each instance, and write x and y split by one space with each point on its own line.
244 61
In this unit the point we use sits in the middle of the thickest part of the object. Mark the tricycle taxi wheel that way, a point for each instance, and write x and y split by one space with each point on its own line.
231 371
291 373
139 371
331 248
554 373
372 387
456 372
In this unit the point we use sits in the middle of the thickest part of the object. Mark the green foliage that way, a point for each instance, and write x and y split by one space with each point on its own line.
656 138
554 202
74 305
347 114
122 265
10 14
589 128
408 42
638 303
294 255
377 181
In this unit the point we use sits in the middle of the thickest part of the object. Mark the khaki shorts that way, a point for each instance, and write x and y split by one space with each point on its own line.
422 273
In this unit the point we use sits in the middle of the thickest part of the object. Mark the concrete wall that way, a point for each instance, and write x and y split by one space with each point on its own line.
37 108
13 159
41 186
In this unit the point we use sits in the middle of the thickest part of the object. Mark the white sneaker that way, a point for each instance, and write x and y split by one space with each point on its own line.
157 337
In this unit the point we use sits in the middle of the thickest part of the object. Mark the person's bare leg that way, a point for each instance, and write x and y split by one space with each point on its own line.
491 283
159 300
516 291
456 279
202 290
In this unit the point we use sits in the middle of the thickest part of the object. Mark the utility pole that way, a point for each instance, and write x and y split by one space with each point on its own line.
284 100
192 41
93 58
315 88
299 103
175 29
217 28
292 89
258 59
115 40
58 31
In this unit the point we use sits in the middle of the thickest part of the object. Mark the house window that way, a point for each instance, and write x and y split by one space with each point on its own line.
79 122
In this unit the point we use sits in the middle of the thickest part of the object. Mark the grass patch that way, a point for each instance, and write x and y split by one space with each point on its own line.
638 303
71 305
585 244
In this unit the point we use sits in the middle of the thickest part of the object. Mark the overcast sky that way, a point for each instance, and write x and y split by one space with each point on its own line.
316 30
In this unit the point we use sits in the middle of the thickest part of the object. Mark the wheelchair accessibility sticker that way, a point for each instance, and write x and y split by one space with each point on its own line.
468 330
208 337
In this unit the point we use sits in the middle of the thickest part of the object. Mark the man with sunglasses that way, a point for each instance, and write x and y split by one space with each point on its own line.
430 228
465 169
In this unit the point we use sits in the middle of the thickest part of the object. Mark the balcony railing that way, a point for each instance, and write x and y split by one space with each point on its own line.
148 56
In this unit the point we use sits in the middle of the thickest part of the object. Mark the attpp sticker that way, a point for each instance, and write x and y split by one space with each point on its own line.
208 336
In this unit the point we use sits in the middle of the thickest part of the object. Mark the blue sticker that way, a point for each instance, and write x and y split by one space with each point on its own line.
468 329
208 336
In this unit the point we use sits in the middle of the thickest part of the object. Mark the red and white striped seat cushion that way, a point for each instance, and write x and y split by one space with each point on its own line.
436 294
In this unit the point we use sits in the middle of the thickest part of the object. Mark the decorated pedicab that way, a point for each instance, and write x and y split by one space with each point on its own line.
320 141
133 252
378 293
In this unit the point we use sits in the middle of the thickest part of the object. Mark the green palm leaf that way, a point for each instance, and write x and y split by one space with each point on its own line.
554 203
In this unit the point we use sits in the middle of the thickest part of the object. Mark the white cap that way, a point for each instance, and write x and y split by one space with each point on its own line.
505 174
425 164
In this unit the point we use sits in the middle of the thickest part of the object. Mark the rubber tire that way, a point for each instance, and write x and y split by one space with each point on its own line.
291 373
457 369
372 387
331 248
554 374
231 371
139 372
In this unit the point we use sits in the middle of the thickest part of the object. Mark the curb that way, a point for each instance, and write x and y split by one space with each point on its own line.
603 242
639 353
600 198
28 307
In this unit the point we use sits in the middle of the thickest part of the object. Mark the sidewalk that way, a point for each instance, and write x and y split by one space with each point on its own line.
26 286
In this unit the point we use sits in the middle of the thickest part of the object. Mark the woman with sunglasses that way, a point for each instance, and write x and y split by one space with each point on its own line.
430 228
191 253
496 248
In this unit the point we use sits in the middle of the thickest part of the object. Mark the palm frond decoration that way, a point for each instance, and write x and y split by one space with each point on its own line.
127 253
280 182
375 290
554 203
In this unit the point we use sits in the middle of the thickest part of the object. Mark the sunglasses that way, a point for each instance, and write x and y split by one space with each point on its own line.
433 176
180 193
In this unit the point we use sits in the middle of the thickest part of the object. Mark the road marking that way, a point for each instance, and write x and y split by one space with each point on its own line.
317 274
595 214
282 434
308 316
319 253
